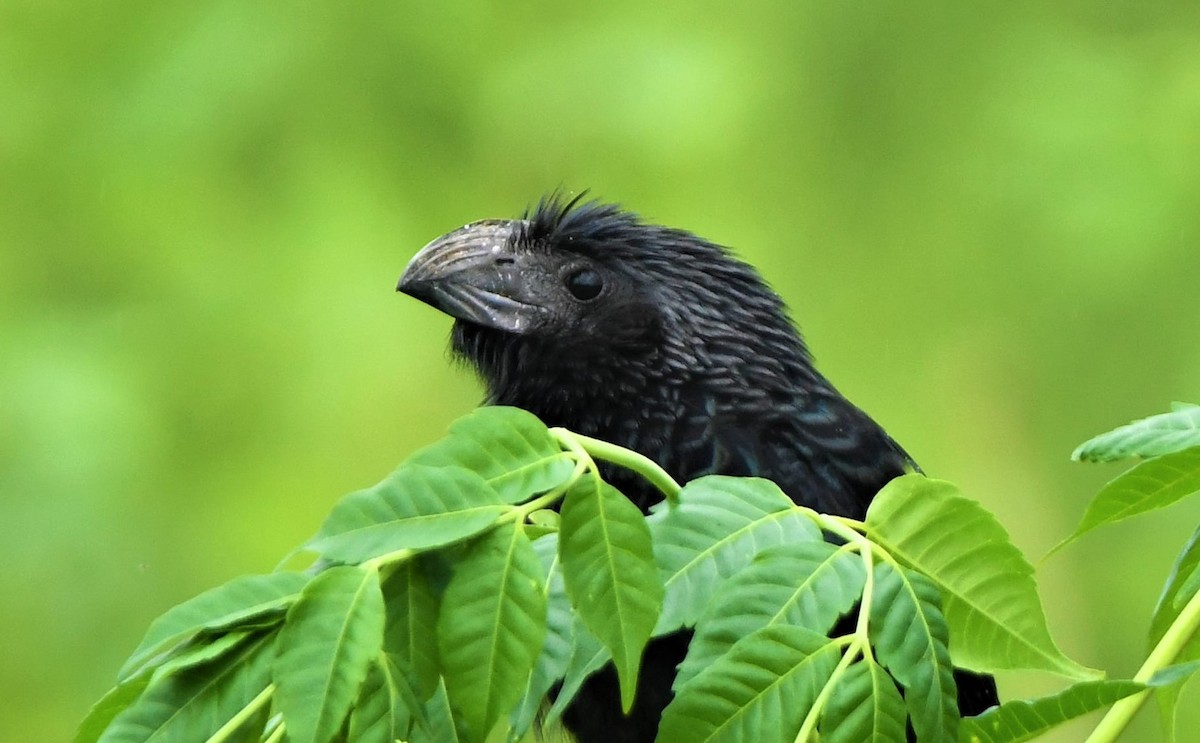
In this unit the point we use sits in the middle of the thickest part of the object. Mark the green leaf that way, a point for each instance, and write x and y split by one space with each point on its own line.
113 703
508 447
1175 674
443 723
204 650
1020 720
909 634
988 592
535 531
1188 588
492 623
760 691
546 518
866 707
378 715
415 507
807 584
412 611
588 655
717 528
404 684
326 647
1168 708
1178 590
1153 484
1171 682
195 703
609 571
233 603
555 655
1149 437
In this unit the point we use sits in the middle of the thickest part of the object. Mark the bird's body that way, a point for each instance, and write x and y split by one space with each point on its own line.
661 342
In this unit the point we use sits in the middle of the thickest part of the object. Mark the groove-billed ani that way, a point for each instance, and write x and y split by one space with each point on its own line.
659 341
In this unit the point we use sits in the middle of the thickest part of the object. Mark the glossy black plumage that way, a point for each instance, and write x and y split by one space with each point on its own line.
685 355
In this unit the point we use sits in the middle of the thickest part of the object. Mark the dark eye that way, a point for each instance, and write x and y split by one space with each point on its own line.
585 284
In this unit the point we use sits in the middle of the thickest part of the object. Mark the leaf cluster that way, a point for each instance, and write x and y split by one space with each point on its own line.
446 602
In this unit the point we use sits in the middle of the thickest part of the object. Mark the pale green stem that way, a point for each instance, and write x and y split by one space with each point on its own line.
863 627
1168 648
520 513
859 642
537 504
570 441
853 649
246 713
626 458
851 529
276 734
847 529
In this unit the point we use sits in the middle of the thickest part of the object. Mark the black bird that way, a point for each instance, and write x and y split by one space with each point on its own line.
662 342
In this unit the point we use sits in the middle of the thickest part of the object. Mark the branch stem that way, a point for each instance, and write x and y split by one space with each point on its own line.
1168 648
251 708
853 650
276 734
863 627
848 529
626 458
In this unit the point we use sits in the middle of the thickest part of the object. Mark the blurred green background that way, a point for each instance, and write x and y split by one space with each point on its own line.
986 217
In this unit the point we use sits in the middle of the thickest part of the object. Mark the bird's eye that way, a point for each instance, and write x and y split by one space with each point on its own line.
585 284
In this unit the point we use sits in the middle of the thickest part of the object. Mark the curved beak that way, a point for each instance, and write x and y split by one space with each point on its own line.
473 274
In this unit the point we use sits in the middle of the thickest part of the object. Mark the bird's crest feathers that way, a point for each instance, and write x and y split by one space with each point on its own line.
560 219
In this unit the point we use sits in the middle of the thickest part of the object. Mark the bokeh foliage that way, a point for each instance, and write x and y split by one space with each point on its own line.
986 218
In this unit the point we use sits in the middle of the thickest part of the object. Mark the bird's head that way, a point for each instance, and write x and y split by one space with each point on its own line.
586 297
